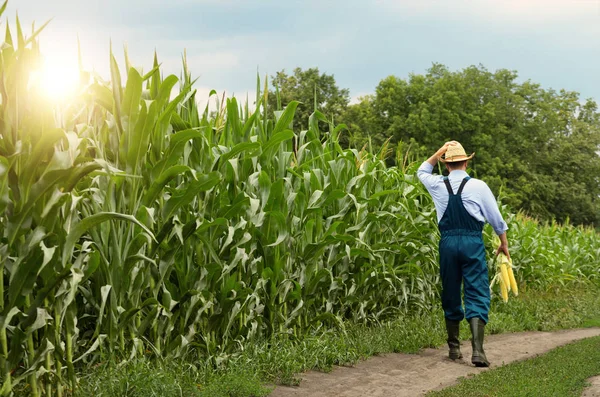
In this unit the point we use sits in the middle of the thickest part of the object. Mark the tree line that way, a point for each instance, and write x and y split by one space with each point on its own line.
538 149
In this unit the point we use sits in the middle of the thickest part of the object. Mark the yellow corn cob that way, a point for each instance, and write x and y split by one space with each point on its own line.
503 290
510 281
513 282
504 276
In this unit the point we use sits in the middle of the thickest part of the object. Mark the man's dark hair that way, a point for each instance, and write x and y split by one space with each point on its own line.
456 165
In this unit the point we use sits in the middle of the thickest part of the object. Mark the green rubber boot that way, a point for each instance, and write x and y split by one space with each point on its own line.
453 328
477 330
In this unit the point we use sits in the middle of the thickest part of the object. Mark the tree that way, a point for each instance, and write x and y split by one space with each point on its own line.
362 123
313 90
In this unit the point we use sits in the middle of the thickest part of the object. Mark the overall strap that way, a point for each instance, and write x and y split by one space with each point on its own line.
462 185
447 183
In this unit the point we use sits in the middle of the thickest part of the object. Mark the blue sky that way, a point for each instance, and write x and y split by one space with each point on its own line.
553 42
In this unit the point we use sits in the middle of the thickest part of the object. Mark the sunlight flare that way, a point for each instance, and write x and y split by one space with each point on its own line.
57 79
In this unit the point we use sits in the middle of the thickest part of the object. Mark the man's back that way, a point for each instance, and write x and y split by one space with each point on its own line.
477 198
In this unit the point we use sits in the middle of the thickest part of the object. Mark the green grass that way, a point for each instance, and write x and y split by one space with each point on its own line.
561 373
138 378
592 322
144 378
281 359
552 309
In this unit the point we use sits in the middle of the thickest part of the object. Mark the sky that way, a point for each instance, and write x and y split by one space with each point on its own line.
552 42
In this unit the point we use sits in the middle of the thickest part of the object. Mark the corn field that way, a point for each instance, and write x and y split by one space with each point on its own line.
134 223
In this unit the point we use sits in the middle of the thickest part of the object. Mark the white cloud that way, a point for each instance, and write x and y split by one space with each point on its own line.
531 11
201 62
354 99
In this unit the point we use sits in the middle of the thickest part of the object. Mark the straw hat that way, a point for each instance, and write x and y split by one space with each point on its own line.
455 153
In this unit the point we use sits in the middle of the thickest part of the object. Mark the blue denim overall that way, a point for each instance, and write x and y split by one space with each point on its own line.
462 258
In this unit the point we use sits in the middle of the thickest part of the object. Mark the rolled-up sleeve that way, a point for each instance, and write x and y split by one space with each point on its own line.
490 211
424 173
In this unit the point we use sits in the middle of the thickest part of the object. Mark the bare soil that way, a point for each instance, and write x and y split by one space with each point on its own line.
410 375
594 389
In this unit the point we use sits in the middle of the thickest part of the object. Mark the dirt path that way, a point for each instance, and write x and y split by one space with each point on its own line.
410 375
594 389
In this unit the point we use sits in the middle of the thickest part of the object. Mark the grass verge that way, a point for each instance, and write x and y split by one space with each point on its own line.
163 378
281 359
561 373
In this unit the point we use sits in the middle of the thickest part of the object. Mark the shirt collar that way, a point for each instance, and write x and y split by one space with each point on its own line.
457 174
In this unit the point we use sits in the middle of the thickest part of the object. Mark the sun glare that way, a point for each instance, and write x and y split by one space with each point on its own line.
58 79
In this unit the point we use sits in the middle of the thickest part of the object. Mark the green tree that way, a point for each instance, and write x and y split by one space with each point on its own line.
362 123
314 90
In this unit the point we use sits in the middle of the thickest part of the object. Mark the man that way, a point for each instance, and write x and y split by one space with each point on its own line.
463 205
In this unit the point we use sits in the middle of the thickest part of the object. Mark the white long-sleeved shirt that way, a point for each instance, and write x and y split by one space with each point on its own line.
477 198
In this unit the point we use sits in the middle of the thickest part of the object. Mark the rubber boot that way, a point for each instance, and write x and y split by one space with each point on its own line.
453 328
477 330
